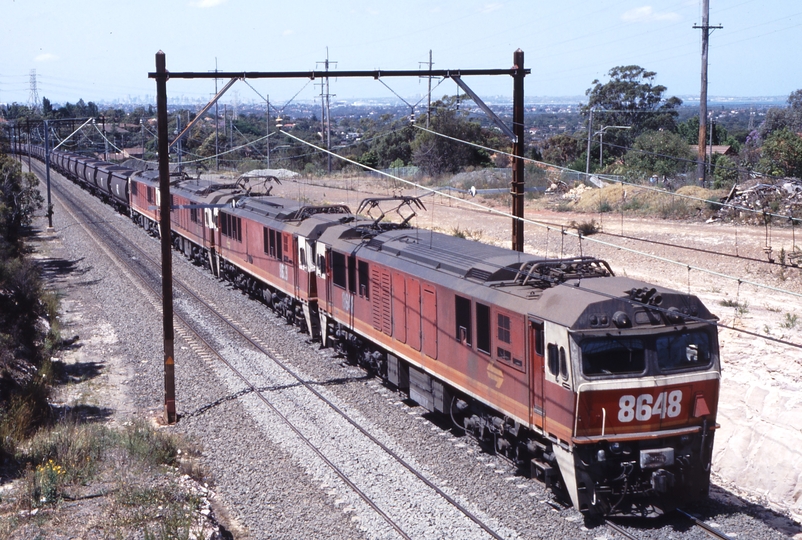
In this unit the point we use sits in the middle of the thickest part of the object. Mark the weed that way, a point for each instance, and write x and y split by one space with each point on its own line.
46 483
24 412
790 321
604 207
633 205
586 228
457 232
766 329
138 506
563 207
740 308
150 446
78 447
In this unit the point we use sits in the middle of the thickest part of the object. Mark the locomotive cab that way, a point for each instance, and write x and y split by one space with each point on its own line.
645 386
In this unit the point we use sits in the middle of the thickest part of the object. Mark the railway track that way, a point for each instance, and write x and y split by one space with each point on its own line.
711 531
695 522
145 269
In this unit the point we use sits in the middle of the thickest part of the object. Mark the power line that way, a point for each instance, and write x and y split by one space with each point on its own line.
549 227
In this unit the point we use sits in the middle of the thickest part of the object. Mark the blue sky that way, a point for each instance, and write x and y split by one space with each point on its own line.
102 50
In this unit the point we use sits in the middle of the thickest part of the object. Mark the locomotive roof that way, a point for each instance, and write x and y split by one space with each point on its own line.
466 258
579 293
583 304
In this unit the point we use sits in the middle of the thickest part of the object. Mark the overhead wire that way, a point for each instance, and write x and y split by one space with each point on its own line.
564 233
549 227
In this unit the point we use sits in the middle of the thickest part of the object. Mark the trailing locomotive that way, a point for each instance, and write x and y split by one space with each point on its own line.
604 387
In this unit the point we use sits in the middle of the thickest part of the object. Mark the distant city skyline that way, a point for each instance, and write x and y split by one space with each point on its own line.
102 52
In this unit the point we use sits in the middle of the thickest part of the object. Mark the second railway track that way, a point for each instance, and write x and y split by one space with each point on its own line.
380 478
411 507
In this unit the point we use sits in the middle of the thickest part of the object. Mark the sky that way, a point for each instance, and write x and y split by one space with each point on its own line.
103 50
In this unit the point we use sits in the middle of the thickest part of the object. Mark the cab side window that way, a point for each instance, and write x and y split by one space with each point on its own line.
462 310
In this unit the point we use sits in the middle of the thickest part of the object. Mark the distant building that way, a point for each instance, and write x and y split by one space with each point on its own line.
723 149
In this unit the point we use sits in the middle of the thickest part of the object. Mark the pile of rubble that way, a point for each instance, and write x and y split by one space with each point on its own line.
562 188
752 204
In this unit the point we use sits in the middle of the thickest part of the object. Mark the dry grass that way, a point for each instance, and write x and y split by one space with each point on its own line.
128 479
634 200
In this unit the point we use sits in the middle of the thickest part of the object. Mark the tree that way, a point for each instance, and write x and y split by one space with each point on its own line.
789 118
633 100
437 155
658 152
561 149
782 154
725 171
19 198
47 108
689 130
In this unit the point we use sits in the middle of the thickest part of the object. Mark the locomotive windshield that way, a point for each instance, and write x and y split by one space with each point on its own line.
613 355
619 355
685 350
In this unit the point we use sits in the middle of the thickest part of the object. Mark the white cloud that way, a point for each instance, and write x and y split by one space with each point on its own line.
45 57
207 3
490 8
647 14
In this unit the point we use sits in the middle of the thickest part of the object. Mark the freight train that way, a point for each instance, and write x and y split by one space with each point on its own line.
603 387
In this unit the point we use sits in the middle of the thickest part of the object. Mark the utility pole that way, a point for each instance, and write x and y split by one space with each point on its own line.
429 94
166 241
267 129
47 176
225 124
518 151
710 140
28 124
705 28
325 120
590 131
216 124
176 132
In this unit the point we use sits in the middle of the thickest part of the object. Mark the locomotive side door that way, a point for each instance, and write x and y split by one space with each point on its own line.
536 372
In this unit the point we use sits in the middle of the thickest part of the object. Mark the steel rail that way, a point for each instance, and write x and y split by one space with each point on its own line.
305 384
711 531
259 347
157 293
620 530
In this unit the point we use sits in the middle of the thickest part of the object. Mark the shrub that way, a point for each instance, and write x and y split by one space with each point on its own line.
586 228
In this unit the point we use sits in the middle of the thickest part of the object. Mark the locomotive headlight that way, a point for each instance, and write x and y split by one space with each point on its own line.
601 455
656 458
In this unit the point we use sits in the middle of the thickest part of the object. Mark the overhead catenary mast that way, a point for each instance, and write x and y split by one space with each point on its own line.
429 94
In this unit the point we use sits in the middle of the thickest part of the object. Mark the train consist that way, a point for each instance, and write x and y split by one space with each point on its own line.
604 387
